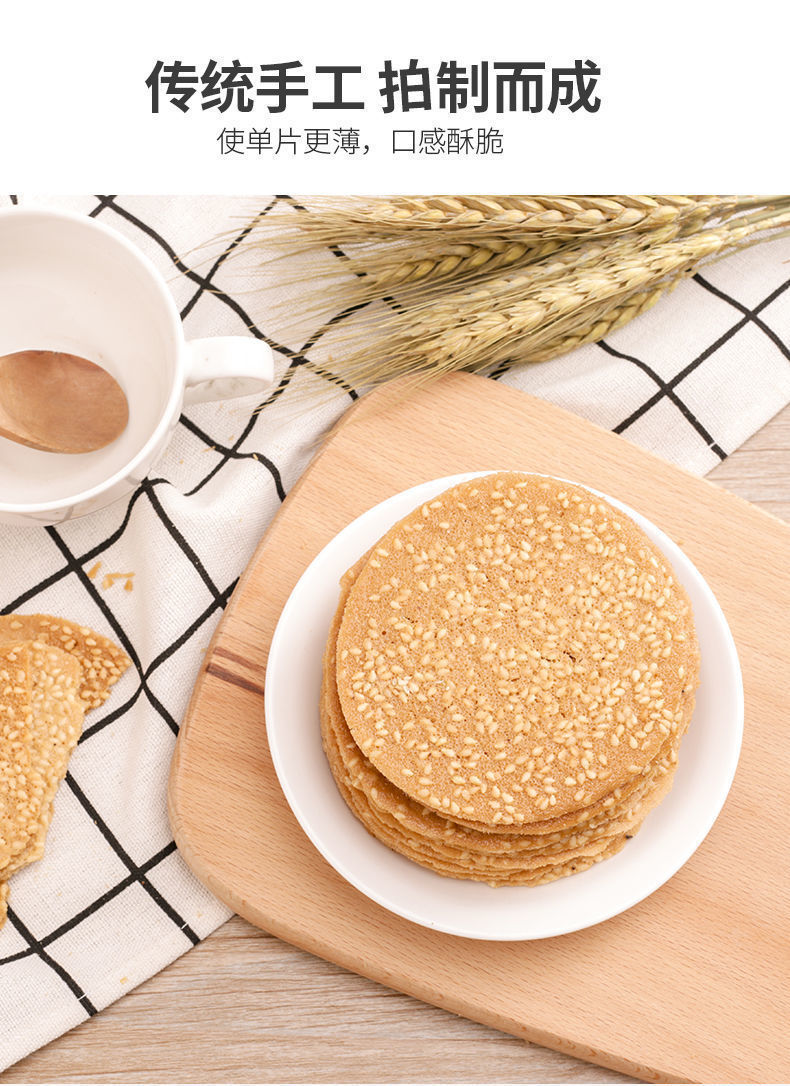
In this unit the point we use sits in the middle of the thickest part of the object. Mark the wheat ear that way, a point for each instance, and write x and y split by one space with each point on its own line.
546 216
601 326
483 326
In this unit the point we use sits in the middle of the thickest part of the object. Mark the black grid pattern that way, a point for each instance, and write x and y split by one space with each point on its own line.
77 564
74 553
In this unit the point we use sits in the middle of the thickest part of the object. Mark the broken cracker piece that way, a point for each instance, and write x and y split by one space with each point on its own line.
22 794
102 661
56 716
51 670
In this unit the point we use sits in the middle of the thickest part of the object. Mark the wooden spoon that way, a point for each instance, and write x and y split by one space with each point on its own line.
59 402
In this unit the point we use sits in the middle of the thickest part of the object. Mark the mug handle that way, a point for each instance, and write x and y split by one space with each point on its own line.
222 367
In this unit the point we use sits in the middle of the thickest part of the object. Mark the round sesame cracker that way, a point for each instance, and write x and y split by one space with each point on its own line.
514 651
458 860
437 832
440 843
618 806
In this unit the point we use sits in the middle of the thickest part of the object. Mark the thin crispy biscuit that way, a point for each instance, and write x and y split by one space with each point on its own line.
487 865
102 662
385 794
389 801
518 852
22 793
41 714
436 842
517 876
458 860
624 796
55 725
514 651
515 867
617 804
434 836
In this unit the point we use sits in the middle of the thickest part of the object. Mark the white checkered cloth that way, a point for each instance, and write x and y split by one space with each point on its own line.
112 902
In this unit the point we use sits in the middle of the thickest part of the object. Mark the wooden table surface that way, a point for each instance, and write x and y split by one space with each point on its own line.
245 1007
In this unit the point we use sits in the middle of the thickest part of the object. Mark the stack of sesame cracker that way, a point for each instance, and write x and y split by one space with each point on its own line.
507 680
51 672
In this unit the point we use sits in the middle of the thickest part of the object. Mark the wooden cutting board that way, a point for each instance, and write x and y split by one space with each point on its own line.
693 984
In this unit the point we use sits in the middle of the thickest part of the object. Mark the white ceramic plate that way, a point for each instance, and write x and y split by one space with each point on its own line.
669 835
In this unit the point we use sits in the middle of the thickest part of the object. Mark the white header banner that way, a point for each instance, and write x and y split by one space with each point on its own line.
237 97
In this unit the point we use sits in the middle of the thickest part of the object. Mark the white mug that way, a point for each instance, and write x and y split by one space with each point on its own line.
70 283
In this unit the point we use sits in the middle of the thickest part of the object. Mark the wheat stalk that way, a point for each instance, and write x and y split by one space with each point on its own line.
521 315
415 275
410 238
415 247
379 276
593 270
474 216
601 326
474 281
